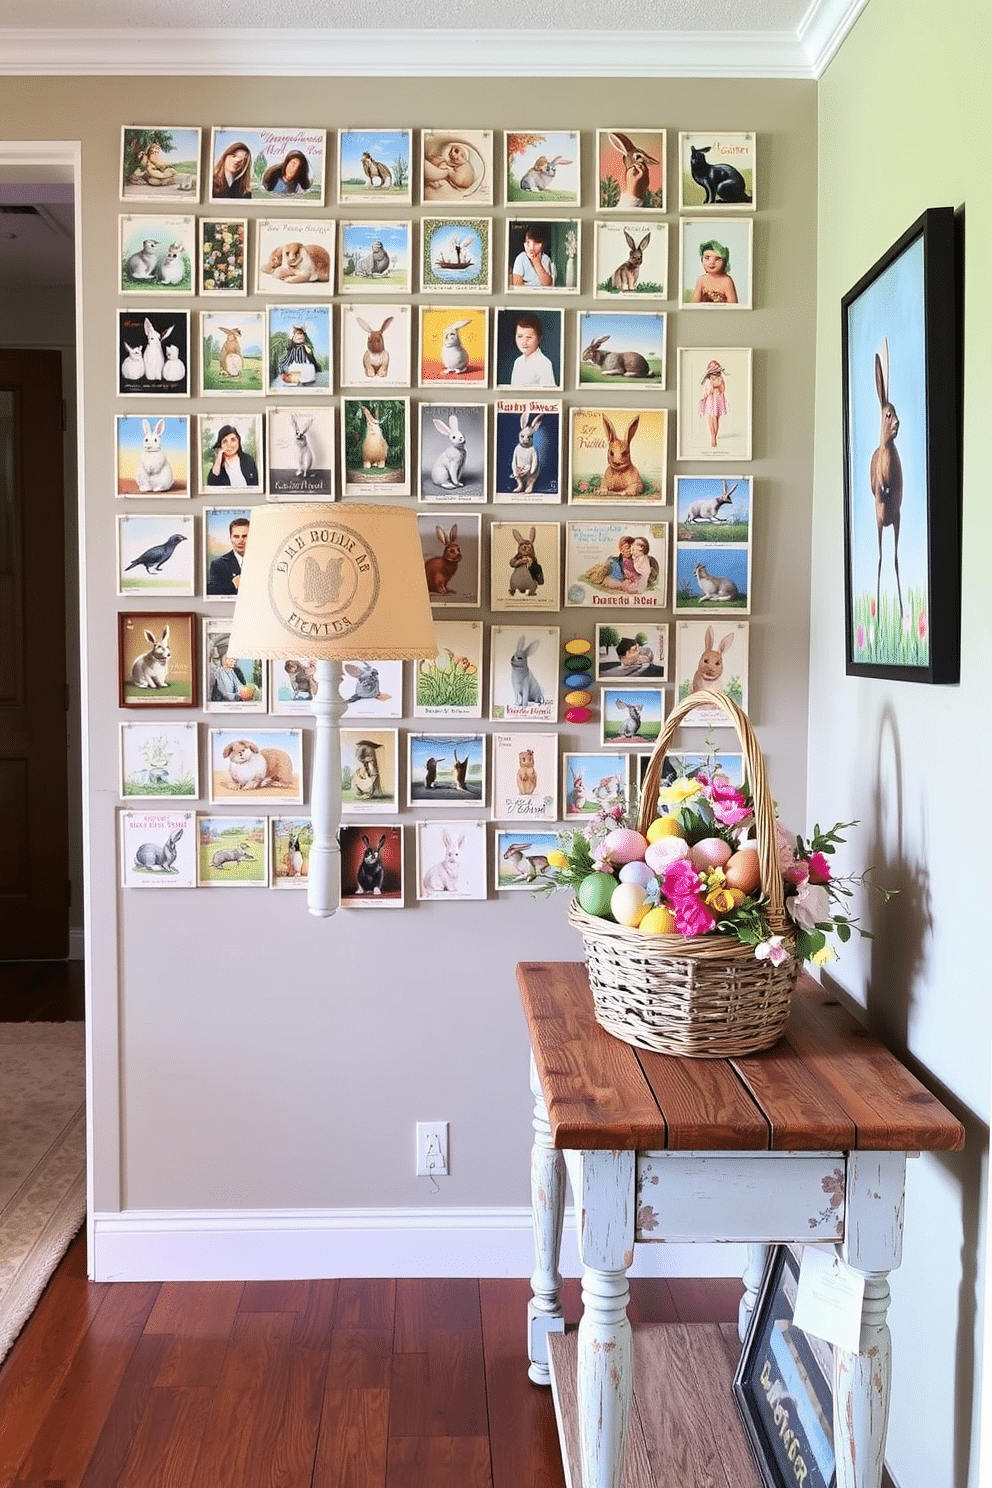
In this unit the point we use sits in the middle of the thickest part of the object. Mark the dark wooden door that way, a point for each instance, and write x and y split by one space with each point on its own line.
34 832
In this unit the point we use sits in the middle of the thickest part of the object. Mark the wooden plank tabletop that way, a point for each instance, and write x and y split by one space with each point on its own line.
826 1085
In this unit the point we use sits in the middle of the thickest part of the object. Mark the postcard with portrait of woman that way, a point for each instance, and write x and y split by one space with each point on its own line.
454 346
372 867
456 166
268 762
375 345
369 769
449 685
375 258
521 858
631 260
158 849
160 761
299 350
617 565
451 860
372 689
153 353
285 165
632 651
223 255
453 453
715 263
621 348
299 449
232 352
711 654
594 782
714 403
542 169
232 851
525 566
717 172
525 777
631 170
446 770
292 838
528 348
294 256
160 163
452 560
631 717
527 453
156 554
619 456
157 254
542 254
231 684
375 446
230 452
375 165
523 673
455 255
152 455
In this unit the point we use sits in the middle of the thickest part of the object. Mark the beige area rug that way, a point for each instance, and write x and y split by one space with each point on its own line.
42 1160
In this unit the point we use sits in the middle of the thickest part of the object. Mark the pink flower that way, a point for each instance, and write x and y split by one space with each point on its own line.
681 880
810 906
861 638
772 950
728 805
692 917
922 625
819 869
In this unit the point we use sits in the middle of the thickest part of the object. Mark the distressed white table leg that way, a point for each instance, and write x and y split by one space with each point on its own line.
872 1244
547 1199
604 1203
751 1277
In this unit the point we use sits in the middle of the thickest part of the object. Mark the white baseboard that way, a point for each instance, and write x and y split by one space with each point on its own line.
291 1244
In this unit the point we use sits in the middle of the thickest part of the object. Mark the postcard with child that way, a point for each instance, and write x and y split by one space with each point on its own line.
230 453
527 455
293 257
525 566
631 170
457 166
542 255
525 777
631 260
543 168
528 348
375 345
160 163
714 403
455 254
259 164
152 455
621 348
157 255
223 255
616 564
522 859
374 165
619 456
232 851
715 263
451 860
523 666
446 770
158 849
372 867
453 453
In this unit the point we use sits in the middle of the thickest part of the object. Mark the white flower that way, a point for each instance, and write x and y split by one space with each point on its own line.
809 906
772 950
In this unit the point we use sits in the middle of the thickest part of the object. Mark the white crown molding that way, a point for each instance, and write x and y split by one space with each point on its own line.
401 53
823 28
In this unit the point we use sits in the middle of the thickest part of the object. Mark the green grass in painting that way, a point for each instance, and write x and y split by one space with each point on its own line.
643 287
888 639
446 687
176 789
589 373
713 532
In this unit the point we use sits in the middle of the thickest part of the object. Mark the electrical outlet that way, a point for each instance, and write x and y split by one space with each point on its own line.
432 1149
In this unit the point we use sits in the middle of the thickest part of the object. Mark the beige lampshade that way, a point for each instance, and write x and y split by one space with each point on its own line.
334 580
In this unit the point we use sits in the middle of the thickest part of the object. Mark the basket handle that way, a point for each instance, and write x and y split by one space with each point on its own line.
764 806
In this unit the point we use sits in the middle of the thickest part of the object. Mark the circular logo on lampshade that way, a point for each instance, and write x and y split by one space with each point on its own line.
324 581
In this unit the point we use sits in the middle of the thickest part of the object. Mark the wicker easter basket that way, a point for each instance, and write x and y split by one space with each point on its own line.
704 996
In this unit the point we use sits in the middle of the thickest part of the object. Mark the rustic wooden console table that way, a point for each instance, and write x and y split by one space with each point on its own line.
805 1142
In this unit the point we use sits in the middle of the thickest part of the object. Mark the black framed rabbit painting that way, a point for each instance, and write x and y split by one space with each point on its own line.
902 550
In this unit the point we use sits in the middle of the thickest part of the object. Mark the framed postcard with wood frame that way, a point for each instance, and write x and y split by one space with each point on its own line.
902 473
157 660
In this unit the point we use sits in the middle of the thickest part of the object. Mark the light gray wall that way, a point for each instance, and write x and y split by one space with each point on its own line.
245 1055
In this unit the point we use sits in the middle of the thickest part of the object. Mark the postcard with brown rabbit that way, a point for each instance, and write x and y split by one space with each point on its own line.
525 777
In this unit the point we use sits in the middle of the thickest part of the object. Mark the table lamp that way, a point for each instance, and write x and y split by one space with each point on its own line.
329 583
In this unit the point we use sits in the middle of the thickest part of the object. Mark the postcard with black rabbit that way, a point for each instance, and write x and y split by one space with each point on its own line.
523 665
292 838
158 849
232 851
160 163
372 867
261 164
375 165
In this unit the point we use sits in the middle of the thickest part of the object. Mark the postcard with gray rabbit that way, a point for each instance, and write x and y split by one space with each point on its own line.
527 454
594 782
523 666
453 453
158 849
232 852
542 168
631 260
375 258
631 717
157 255
521 859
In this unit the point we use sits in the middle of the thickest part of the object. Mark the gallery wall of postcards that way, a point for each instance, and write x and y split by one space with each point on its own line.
527 348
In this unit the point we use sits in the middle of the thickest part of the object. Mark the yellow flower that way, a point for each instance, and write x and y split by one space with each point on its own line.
715 878
681 790
722 901
823 956
557 859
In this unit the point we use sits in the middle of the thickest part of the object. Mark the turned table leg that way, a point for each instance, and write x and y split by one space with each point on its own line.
547 1198
751 1277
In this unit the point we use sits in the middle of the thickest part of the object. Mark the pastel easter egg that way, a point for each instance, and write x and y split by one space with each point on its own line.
577 715
637 872
710 852
743 870
578 699
665 851
578 647
665 826
624 845
595 892
628 904
658 921
578 679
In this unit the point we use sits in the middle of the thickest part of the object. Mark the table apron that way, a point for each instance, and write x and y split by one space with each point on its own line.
760 1197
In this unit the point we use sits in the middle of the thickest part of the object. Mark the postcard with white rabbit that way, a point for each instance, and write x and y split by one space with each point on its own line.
371 689
292 838
299 350
525 566
455 255
375 345
299 452
456 166
594 782
632 651
451 860
618 565
621 348
525 777
152 455
711 578
631 260
713 509
375 446
543 255
521 860
543 168
160 163
259 164
715 765
454 346
715 263
292 685
619 456
231 684
375 258
293 256
631 717
631 169
528 348
449 685
712 655
268 762
372 867
717 171
232 851
370 769
523 673
223 255
157 254
452 560
446 770
375 165
153 353
160 761
229 447
157 659
156 554
714 403
158 849
232 352
527 455
453 453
